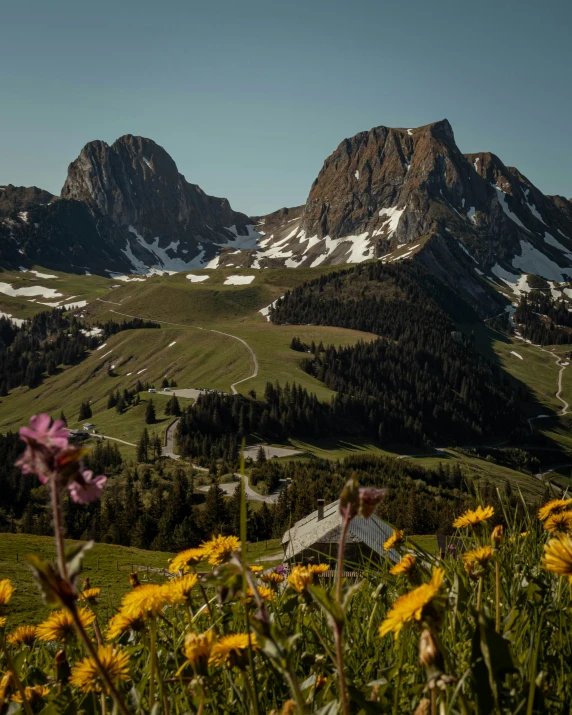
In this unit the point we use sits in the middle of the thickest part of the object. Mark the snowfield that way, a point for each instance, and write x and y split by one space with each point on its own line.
238 280
197 279
17 321
29 292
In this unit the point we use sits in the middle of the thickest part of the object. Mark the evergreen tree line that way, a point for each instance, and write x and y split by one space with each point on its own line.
157 507
543 320
47 341
423 381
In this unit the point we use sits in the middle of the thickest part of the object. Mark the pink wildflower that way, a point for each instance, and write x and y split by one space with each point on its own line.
43 431
44 441
87 489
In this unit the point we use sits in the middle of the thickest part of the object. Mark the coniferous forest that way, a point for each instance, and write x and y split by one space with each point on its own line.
50 339
422 380
543 320
156 506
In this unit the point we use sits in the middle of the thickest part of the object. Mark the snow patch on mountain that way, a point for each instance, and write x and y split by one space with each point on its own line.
238 280
197 279
163 259
551 241
517 282
532 260
501 195
29 292
393 215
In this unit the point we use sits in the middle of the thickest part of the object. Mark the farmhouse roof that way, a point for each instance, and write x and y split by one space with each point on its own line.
372 532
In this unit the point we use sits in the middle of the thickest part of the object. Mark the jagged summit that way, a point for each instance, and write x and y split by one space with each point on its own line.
394 193
386 193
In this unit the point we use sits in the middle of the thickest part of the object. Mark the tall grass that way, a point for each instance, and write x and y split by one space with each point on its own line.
493 637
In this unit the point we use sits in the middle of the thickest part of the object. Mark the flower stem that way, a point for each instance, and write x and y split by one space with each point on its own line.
98 664
497 596
58 529
153 646
480 594
339 627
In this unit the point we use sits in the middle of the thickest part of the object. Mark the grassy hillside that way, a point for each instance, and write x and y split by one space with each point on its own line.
184 349
107 566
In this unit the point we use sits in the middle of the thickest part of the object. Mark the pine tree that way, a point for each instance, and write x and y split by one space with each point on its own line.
143 447
214 513
174 407
84 411
150 417
63 418
261 455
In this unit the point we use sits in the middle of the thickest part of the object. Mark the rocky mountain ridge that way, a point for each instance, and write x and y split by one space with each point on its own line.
390 194
395 194
123 207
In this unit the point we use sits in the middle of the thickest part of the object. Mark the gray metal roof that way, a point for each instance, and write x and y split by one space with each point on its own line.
372 532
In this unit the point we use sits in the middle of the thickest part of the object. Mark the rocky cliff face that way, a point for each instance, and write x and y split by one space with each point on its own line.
397 193
130 209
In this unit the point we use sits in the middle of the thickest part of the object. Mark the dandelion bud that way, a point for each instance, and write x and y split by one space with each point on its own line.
429 653
369 498
134 579
350 498
86 584
497 536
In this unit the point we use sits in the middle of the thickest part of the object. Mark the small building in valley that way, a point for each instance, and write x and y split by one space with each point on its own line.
315 539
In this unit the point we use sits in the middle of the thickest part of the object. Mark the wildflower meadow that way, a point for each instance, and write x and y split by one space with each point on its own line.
485 628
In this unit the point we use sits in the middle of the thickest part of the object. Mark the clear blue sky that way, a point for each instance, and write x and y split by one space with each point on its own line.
250 96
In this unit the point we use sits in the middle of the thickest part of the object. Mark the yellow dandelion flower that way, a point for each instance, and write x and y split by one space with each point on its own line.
272 578
23 635
474 517
554 505
394 540
320 683
558 556
220 549
319 569
559 522
182 561
59 625
197 650
256 569
2 621
90 594
85 674
32 694
180 588
231 650
481 556
404 567
413 606
146 600
266 593
122 623
7 686
6 591
299 578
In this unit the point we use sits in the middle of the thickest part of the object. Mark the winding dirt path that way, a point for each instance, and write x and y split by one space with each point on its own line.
208 330
565 409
